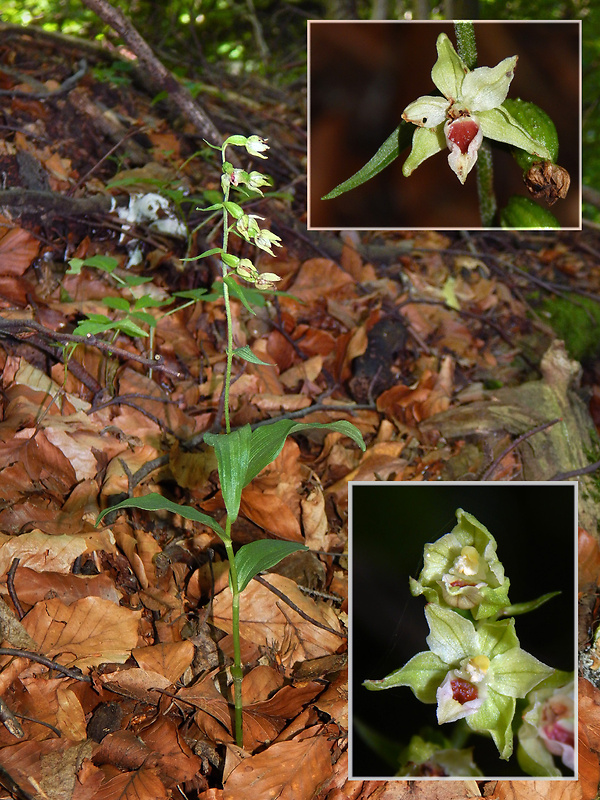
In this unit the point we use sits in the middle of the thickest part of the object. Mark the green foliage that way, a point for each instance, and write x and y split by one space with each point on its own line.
521 212
575 320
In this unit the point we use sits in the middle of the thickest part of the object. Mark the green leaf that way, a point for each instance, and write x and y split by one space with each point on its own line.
239 293
246 353
191 294
233 454
147 319
129 327
156 502
105 263
268 440
118 303
213 251
147 301
388 152
258 556
423 674
134 280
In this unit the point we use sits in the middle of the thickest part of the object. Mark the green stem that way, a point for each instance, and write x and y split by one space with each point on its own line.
236 669
465 43
228 368
485 184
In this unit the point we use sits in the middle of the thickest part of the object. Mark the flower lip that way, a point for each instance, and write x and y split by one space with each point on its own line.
462 132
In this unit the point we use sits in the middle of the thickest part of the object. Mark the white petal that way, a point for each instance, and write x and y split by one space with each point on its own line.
499 125
449 70
487 87
426 111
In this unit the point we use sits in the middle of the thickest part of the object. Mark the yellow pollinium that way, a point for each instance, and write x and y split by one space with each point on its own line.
468 561
482 663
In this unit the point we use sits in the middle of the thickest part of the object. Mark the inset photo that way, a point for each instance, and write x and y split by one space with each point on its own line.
444 125
462 620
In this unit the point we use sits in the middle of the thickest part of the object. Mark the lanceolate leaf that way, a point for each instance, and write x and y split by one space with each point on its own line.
388 152
233 455
268 440
255 557
246 353
156 502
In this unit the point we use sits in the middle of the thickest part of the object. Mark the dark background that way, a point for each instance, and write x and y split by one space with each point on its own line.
361 77
534 526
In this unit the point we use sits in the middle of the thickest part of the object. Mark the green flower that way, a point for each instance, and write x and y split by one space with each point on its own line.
471 108
548 728
472 672
462 570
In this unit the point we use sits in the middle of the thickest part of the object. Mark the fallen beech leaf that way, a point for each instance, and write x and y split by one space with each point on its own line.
281 402
143 784
176 762
266 620
32 586
537 790
18 248
85 634
589 558
270 513
287 771
44 552
308 370
170 659
318 278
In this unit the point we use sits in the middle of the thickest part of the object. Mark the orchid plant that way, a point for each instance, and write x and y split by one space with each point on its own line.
241 453
473 110
475 668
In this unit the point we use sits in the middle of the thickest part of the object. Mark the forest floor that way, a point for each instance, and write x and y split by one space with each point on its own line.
131 620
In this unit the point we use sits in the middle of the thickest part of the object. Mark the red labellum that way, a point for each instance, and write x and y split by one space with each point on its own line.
463 691
462 132
559 734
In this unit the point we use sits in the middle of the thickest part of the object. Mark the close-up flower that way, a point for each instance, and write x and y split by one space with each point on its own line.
470 109
548 729
462 570
473 672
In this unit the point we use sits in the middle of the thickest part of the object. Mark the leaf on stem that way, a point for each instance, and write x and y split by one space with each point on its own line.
156 502
246 353
233 455
261 555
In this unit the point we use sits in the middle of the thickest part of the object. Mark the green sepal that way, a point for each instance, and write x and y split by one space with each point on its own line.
426 142
517 672
495 716
452 636
423 674
498 124
388 152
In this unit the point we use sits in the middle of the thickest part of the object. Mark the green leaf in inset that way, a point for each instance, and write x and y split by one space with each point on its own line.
118 303
388 152
233 455
156 502
263 554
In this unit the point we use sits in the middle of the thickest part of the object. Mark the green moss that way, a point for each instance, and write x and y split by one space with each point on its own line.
575 320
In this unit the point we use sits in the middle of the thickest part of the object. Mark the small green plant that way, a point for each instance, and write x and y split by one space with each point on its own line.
472 111
475 669
241 454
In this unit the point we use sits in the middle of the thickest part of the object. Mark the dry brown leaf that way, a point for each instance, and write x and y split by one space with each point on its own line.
538 790
86 633
318 278
136 682
32 586
70 718
176 762
589 559
281 402
143 784
44 552
287 771
171 659
270 513
308 370
314 520
18 248
267 620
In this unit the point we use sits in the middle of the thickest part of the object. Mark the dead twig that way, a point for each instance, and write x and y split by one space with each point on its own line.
10 585
495 463
47 662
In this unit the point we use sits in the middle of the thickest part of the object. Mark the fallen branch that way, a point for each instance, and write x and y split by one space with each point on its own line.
160 77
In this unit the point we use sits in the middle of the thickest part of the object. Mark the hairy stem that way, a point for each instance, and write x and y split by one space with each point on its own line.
236 669
228 368
485 185
465 43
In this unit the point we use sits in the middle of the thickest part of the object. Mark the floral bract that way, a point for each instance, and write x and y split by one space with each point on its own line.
473 672
471 108
462 570
422 759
